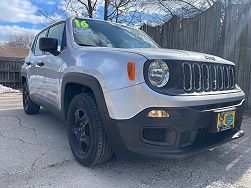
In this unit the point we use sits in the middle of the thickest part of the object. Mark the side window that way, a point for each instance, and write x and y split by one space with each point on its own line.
37 51
57 31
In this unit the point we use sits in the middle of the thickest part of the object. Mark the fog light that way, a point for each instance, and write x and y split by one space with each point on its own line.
158 114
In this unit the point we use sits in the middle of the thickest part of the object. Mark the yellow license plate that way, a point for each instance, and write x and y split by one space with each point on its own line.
225 120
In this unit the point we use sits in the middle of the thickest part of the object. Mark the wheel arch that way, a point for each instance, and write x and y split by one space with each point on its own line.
75 83
91 82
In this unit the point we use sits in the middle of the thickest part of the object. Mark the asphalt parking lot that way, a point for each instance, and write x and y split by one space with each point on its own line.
34 152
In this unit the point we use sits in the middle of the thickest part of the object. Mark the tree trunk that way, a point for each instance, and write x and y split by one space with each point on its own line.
90 9
106 9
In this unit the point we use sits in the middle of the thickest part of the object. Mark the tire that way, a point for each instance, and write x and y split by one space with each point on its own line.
29 106
88 140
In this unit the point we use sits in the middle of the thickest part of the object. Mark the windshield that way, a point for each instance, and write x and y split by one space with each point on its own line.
103 34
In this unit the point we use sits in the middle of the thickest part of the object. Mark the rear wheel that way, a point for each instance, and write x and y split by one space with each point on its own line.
87 137
29 106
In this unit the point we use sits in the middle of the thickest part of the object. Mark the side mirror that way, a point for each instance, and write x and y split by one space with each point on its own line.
49 45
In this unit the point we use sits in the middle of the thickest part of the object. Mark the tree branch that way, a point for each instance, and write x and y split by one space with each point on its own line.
167 8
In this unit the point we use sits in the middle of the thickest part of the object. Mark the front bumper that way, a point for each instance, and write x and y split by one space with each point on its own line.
125 103
184 133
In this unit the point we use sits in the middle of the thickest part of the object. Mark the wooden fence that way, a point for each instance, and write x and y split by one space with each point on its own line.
10 72
218 31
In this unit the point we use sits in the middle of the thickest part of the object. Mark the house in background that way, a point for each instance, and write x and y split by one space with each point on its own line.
11 60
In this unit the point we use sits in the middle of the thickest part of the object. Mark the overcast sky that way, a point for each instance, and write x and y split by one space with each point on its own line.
23 15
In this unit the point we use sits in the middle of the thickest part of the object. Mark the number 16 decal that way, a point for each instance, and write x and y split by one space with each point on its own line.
83 23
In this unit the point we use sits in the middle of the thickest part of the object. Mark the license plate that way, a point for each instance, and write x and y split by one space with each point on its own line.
225 120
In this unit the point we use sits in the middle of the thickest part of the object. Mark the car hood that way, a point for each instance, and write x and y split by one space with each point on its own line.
173 54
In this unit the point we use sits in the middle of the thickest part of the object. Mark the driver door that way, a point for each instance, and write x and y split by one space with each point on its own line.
35 81
51 68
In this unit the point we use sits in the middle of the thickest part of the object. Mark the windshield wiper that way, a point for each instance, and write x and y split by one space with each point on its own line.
88 45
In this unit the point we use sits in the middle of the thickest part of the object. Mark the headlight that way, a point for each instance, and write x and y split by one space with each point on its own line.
158 73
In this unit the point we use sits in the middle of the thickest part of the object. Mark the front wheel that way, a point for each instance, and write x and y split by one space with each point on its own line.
87 137
29 106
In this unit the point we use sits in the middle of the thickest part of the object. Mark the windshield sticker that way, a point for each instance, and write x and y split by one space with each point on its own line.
82 24
82 31
82 28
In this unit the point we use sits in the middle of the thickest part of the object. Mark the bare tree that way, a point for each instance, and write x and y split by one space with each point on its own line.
126 11
106 7
21 39
179 7
90 6
134 11
80 7
210 2
118 7
113 10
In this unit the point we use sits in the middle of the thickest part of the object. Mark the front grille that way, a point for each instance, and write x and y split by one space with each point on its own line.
206 77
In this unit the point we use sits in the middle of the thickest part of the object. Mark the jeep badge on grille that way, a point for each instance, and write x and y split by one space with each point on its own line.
210 58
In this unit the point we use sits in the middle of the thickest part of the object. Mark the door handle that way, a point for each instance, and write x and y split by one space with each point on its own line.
40 64
28 63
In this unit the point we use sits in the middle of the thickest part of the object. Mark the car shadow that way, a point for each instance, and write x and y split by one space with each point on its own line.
225 164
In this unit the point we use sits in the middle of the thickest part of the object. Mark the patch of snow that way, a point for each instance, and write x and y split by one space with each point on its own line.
4 89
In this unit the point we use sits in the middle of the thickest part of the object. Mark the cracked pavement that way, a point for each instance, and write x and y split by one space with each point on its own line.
34 152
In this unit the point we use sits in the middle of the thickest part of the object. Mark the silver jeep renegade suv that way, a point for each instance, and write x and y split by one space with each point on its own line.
120 93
